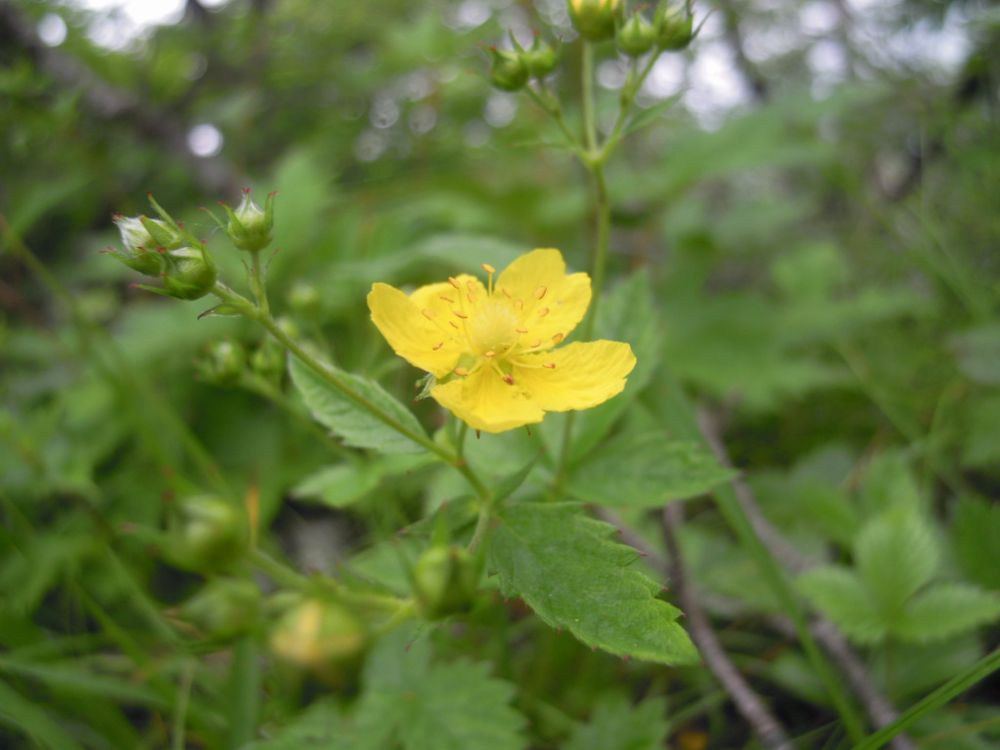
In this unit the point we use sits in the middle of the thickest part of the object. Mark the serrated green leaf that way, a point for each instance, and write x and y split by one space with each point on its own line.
646 470
348 419
889 483
895 554
616 724
975 538
840 595
344 484
945 610
568 570
320 726
416 705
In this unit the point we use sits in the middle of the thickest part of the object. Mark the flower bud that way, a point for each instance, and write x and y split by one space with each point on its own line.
508 71
445 581
250 226
140 248
304 299
208 534
223 609
162 234
223 363
595 19
322 636
268 361
674 28
540 58
190 273
636 36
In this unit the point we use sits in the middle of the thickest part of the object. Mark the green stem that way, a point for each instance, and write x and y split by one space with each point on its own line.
935 700
587 89
632 88
258 285
181 707
553 111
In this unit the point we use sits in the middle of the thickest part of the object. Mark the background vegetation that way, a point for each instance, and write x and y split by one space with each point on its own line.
806 239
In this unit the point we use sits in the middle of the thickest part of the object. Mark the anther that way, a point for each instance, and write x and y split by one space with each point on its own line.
438 345
427 313
518 305
536 343
472 298
557 338
540 292
508 379
506 294
460 371
458 314
453 324
471 286
488 268
454 282
543 312
490 354
521 330
446 298
550 365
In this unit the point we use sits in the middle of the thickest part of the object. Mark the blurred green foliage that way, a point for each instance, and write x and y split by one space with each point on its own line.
816 266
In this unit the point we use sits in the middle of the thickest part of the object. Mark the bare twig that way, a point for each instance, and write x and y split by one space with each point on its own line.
214 174
747 702
878 707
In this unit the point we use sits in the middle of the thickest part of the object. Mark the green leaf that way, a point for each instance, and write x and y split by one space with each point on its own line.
646 470
978 353
895 555
840 595
945 610
976 541
981 433
348 418
320 726
344 484
568 570
33 721
618 725
416 705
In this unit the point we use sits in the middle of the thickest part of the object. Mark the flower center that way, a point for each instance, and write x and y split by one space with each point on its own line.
492 329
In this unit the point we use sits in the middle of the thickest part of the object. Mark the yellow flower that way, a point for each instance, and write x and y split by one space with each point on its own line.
491 347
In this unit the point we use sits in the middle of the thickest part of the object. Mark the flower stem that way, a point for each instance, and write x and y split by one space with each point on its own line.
587 91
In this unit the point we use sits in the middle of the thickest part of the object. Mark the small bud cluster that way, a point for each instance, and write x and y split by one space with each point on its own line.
671 30
512 69
162 248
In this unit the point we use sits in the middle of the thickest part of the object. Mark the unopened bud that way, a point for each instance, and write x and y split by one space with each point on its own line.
540 58
636 36
249 225
322 636
268 361
595 19
304 299
190 273
674 28
445 581
508 71
208 534
223 363
223 609
140 248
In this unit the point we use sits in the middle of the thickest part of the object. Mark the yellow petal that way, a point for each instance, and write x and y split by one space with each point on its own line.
549 303
485 402
423 340
585 374
444 298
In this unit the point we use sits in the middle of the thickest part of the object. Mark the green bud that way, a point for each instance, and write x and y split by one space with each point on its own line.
207 534
304 299
595 19
268 361
250 226
540 58
190 273
674 28
508 71
223 363
224 609
636 36
322 636
162 234
140 247
445 581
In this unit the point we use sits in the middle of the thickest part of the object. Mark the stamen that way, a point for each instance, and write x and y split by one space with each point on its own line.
543 312
488 268
536 343
518 305
521 330
540 292
557 338
454 282
472 298
471 286
448 299
490 354
550 365
438 345
508 379
461 315
460 371
427 313
453 324
506 294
